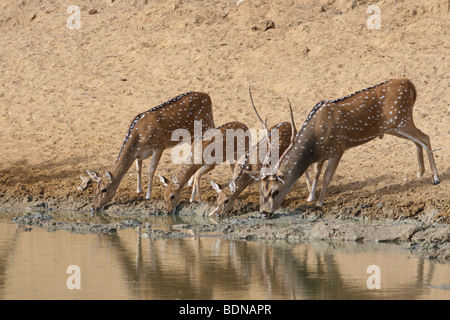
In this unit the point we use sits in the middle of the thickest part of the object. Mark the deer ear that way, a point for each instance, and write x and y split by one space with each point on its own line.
232 186
163 180
215 186
108 175
93 175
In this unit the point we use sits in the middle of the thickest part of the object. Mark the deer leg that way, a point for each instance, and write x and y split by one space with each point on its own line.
319 166
419 150
195 196
193 181
329 172
139 171
308 180
420 139
156 156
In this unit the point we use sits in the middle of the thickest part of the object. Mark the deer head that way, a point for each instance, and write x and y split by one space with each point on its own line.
272 191
172 193
105 191
225 197
272 188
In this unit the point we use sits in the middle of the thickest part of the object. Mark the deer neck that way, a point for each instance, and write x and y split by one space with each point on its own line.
185 173
242 182
123 163
300 157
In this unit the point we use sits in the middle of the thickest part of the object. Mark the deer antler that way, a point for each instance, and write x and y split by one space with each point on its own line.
294 133
264 124
294 128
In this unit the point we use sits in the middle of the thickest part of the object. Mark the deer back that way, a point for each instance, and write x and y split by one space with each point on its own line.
234 133
334 126
178 113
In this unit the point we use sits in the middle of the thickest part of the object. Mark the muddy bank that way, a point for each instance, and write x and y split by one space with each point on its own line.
423 236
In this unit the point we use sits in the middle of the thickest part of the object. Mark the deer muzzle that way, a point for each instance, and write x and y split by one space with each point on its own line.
266 215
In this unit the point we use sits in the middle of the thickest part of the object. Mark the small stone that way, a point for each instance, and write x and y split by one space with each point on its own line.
269 25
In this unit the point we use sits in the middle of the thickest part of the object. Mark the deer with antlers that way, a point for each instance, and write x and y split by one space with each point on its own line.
149 134
243 175
333 126
247 173
215 145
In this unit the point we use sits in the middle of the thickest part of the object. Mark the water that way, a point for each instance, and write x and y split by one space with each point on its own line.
33 265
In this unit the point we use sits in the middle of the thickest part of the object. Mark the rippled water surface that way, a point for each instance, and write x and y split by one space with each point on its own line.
34 265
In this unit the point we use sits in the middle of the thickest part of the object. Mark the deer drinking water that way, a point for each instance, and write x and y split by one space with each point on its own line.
334 126
148 135
219 141
242 175
278 138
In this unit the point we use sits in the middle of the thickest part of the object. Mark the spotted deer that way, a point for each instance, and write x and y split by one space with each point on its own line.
150 134
242 175
228 133
334 126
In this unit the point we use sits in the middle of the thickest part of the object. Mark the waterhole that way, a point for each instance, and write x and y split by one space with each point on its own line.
128 264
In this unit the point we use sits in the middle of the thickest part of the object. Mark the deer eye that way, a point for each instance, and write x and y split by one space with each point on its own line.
172 197
104 190
226 201
275 193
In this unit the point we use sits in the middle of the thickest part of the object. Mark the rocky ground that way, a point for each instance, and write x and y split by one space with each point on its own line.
421 235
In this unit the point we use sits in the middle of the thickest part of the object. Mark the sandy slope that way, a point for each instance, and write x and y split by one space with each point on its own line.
68 96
